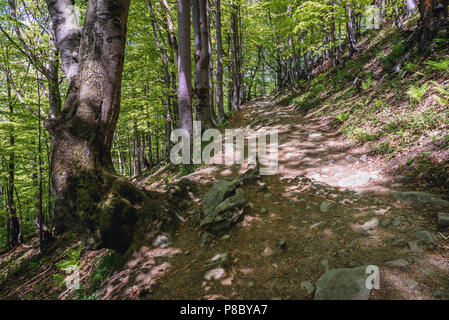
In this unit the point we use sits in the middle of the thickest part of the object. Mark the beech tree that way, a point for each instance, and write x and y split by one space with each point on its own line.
89 196
184 68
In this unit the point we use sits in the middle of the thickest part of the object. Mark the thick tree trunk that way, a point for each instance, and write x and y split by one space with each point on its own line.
350 30
202 59
430 22
184 68
162 47
89 197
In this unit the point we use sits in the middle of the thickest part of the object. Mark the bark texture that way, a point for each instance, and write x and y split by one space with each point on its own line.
90 198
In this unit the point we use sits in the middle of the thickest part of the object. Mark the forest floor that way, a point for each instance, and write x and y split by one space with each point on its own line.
365 223
343 196
362 224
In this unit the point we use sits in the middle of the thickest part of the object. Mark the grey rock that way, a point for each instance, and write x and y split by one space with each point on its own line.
428 271
443 219
218 224
399 263
161 241
325 206
350 158
267 195
414 246
325 264
263 211
225 214
308 287
226 237
392 221
220 190
411 284
216 274
440 294
220 259
205 238
397 221
419 199
386 222
425 238
343 284
369 225
236 201
314 135
399 243
251 174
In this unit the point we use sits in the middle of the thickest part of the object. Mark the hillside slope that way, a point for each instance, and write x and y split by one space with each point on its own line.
343 197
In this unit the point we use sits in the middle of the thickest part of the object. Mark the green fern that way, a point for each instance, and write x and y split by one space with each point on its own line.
417 93
442 65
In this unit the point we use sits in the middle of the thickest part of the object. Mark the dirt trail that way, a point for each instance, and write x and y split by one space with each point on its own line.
330 203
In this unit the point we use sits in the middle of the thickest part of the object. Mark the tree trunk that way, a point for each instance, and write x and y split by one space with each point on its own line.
137 153
350 30
410 7
235 57
150 147
162 48
219 75
184 68
211 65
89 197
13 221
429 23
202 59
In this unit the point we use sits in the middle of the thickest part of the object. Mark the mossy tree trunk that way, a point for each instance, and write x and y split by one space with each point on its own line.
90 198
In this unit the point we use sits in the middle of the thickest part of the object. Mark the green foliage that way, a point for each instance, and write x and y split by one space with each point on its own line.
222 124
366 85
416 93
441 65
359 134
73 256
340 75
384 148
397 52
342 117
410 67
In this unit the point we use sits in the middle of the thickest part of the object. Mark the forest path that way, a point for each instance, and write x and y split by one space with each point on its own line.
330 205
